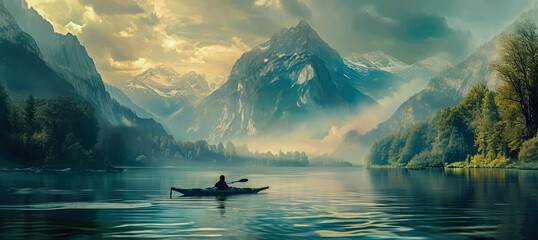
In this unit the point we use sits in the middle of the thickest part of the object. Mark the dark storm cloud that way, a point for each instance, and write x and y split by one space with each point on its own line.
296 8
111 7
400 28
412 30
420 28
410 22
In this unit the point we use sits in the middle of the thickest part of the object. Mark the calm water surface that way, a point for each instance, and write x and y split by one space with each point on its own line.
301 203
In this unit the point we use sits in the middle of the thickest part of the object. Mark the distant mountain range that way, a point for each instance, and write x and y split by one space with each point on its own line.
378 60
292 78
386 74
124 100
162 91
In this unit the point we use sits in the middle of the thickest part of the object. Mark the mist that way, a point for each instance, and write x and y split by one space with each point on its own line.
325 136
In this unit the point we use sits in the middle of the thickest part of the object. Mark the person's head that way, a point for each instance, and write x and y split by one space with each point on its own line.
222 177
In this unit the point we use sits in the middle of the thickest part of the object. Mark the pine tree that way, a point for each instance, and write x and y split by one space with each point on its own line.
488 130
5 126
30 114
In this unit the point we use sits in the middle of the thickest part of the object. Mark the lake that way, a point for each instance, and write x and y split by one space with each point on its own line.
300 203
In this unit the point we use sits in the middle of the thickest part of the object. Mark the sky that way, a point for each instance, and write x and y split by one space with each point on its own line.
125 37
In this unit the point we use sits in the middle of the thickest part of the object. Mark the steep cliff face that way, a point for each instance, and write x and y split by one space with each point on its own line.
293 77
22 69
11 32
66 69
67 58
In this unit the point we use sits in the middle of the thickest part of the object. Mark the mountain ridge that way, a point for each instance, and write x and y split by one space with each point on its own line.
161 90
280 82
25 72
68 58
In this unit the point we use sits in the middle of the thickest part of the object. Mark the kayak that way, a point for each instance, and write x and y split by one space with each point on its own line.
213 191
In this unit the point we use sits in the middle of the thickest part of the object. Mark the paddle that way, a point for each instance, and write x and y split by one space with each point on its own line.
242 180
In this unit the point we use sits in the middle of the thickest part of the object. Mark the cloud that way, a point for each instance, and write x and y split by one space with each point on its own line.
74 28
296 8
403 29
114 6
125 37
258 25
208 36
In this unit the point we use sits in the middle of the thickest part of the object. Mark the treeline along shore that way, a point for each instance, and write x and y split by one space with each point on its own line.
489 128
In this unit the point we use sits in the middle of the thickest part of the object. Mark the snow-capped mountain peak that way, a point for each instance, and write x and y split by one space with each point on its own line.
294 40
293 77
161 90
377 60
160 75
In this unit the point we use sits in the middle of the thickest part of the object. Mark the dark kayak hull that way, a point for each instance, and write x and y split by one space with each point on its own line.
215 192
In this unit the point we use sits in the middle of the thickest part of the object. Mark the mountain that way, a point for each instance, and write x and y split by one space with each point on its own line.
449 87
293 77
387 73
425 69
217 82
124 100
11 32
376 60
67 58
445 89
35 60
161 90
18 50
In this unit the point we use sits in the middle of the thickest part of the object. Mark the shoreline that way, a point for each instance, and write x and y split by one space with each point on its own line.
516 167
63 170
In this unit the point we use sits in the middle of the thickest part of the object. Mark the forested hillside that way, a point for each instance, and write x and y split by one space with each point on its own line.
63 132
487 129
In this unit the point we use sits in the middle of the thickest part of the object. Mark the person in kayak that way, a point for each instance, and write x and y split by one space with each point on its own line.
221 185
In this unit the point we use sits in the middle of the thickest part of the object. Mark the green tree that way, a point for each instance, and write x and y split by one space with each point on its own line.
115 149
68 121
5 126
519 74
489 129
30 115
529 151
